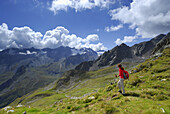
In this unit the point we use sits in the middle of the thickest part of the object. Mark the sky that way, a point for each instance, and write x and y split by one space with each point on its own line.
96 24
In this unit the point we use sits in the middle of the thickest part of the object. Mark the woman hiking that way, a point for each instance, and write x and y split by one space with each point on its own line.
122 75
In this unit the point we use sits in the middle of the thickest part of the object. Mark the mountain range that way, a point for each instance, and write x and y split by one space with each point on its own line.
25 70
120 54
123 53
96 91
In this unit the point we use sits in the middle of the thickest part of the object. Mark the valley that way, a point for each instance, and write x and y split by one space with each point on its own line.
86 90
147 90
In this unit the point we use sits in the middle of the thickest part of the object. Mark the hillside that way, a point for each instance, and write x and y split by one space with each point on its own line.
25 70
147 91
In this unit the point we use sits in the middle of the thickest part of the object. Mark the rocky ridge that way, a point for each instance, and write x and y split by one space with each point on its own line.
123 53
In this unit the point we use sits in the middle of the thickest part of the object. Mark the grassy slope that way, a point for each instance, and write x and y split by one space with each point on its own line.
32 79
148 90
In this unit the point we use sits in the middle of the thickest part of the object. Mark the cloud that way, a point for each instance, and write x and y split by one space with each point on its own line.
92 37
125 40
25 37
148 17
18 37
113 28
61 37
78 5
95 47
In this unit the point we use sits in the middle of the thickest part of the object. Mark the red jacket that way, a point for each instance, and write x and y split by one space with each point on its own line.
121 73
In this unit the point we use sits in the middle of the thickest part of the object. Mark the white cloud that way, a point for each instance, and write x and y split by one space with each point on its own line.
92 37
25 37
60 5
113 28
118 41
61 37
95 47
18 37
4 35
78 5
148 17
125 40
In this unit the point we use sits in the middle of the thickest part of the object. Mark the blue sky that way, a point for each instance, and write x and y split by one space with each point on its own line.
96 24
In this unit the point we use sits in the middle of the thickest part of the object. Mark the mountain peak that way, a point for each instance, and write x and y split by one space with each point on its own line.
160 36
168 34
123 45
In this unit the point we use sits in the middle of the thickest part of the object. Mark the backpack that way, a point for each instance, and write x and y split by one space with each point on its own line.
125 75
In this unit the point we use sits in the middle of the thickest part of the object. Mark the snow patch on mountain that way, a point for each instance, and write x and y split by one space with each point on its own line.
27 53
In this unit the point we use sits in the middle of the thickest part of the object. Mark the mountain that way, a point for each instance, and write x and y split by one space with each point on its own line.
147 91
145 49
25 70
42 70
38 57
119 54
164 43
123 53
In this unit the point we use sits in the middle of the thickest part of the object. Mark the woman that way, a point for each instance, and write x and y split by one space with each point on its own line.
120 82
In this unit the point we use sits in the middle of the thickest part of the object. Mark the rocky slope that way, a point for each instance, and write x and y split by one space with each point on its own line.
25 70
164 43
123 53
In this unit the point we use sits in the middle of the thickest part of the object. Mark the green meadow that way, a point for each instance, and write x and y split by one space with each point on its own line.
147 91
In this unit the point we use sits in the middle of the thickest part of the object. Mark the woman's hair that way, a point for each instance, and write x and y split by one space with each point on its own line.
120 66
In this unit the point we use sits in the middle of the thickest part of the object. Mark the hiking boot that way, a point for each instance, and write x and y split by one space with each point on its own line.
120 91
